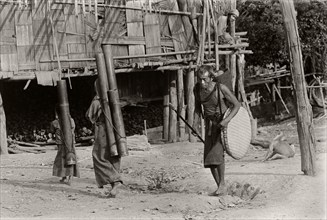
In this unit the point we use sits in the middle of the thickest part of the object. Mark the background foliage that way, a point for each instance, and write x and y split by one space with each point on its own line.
264 23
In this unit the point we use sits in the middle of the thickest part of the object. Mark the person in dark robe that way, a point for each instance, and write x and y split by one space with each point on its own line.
213 97
60 167
106 167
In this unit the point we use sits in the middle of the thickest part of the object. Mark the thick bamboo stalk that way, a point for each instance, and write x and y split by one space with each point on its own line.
3 130
55 45
116 113
180 106
303 108
190 101
65 122
103 86
172 136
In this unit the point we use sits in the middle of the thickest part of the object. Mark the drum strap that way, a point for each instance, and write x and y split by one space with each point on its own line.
219 100
221 113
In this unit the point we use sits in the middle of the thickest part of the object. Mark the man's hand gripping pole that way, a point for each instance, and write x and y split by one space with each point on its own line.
188 125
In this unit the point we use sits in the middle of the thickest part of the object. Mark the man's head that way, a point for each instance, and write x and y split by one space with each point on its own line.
204 75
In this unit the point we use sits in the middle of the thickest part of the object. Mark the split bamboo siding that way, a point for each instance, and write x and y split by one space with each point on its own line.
28 44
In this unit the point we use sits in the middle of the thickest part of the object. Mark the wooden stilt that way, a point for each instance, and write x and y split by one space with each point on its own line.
172 115
180 107
216 35
190 101
3 130
165 131
233 56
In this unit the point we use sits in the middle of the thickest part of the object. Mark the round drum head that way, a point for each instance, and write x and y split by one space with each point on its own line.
237 135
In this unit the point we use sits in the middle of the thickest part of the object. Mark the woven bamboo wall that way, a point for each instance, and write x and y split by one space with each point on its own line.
26 36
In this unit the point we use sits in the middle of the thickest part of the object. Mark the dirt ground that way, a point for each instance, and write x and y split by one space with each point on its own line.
168 181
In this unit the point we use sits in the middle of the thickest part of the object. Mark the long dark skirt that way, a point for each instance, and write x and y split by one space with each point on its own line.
59 168
213 147
106 168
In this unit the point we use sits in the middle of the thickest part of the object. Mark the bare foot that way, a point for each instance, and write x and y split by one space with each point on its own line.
69 181
222 191
115 189
215 193
62 180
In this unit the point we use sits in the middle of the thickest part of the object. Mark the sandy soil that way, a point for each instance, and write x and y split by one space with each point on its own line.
169 182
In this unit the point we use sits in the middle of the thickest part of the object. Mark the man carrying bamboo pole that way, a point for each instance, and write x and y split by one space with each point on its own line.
212 96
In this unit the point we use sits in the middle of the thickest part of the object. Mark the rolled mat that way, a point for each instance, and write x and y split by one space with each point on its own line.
236 136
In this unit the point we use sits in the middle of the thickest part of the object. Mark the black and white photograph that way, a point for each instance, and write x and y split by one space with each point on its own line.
163 109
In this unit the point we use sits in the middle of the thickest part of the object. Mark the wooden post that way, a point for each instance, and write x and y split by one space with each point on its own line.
233 56
190 101
180 106
3 129
303 107
116 113
165 126
216 35
227 62
172 113
273 97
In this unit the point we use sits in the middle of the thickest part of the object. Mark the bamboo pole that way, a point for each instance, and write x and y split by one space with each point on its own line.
281 98
180 106
169 12
103 87
209 27
55 45
321 93
172 114
65 122
222 52
241 85
3 129
233 56
216 35
203 39
303 108
116 113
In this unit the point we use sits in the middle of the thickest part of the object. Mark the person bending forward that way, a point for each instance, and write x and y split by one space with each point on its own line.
106 167
215 99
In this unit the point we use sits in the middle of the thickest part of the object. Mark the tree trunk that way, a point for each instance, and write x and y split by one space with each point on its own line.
3 130
303 107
